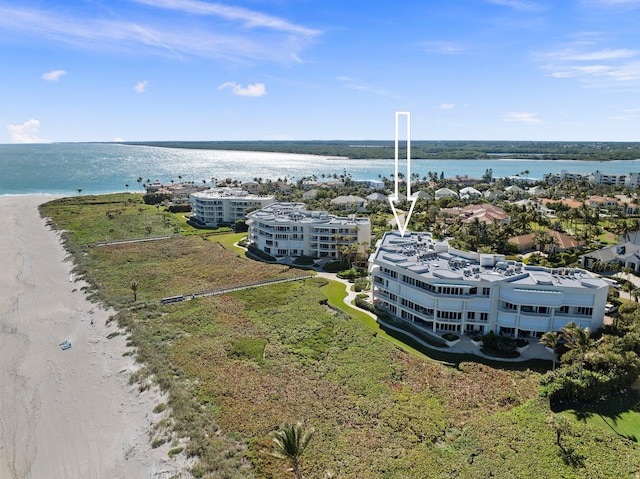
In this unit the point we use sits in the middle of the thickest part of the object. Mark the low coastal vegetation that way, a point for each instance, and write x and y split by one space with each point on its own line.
548 150
237 367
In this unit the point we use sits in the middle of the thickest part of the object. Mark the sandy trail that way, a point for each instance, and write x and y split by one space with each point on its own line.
63 414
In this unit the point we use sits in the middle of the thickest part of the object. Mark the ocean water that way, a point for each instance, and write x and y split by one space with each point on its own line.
97 168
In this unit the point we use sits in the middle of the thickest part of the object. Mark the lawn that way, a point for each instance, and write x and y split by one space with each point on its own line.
620 414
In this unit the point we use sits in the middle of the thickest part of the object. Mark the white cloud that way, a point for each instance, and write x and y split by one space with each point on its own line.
26 133
249 18
255 89
606 55
521 117
605 68
141 86
118 139
53 75
446 106
232 34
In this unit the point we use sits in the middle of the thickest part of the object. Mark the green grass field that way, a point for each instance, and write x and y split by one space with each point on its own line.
619 414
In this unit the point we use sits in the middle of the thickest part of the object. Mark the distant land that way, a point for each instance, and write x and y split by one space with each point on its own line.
428 150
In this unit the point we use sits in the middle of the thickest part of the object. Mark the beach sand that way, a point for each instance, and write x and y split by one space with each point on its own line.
72 413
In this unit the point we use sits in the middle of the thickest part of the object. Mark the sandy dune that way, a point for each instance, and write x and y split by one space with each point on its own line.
63 414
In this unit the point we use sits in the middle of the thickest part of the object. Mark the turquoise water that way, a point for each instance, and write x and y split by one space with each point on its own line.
105 168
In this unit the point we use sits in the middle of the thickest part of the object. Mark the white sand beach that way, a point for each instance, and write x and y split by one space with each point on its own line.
63 413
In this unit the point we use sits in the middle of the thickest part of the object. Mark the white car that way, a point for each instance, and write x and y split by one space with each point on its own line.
610 308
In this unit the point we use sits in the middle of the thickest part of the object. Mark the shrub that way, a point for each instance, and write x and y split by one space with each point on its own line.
304 260
156 198
352 274
175 451
335 267
362 284
158 442
240 226
361 303
501 346
179 208
260 254
349 274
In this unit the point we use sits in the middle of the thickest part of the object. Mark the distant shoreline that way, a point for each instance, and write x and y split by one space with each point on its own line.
71 169
424 150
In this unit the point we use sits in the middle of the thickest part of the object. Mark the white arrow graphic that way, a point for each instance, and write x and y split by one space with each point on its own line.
395 198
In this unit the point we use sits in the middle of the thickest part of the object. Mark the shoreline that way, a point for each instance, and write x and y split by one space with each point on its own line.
65 413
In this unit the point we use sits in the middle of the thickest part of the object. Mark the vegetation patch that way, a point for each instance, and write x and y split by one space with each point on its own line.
619 413
247 348
499 346
377 411
304 260
335 267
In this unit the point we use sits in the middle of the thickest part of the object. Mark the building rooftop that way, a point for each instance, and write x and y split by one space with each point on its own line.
227 193
420 253
296 213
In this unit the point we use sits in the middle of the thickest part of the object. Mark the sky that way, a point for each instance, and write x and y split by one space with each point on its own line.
154 70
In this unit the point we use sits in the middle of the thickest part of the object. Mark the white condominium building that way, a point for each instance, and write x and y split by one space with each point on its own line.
224 205
288 229
443 289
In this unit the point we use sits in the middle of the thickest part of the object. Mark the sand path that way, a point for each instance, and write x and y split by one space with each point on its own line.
63 414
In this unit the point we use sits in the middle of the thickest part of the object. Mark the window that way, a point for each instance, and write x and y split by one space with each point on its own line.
486 291
450 327
471 315
408 280
584 311
389 272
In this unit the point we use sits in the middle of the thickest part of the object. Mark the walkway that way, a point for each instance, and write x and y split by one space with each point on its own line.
132 240
219 291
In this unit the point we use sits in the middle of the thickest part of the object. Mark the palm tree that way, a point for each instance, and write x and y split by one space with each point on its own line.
550 340
134 288
627 287
578 341
543 239
562 426
290 442
79 191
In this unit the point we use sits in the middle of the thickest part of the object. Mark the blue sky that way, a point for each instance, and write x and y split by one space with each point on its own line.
103 70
